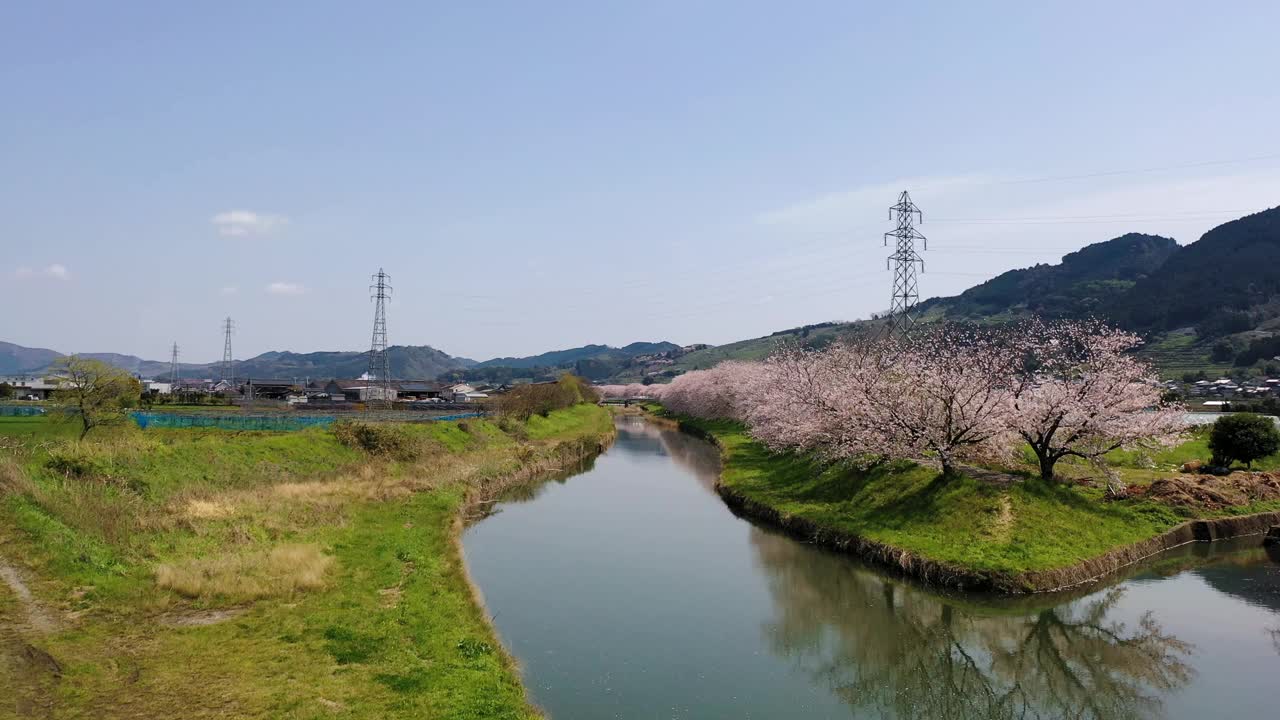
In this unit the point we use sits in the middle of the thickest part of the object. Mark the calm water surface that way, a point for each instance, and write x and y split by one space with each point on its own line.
631 591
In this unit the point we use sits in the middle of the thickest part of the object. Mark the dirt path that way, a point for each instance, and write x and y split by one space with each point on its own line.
38 619
28 674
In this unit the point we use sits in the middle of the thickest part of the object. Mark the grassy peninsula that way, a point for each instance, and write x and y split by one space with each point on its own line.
206 573
1001 525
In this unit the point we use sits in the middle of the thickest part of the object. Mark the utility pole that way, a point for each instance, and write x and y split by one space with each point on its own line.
903 263
173 368
228 369
381 391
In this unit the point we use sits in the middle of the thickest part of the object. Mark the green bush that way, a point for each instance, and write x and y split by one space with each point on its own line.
1243 437
525 401
375 439
78 460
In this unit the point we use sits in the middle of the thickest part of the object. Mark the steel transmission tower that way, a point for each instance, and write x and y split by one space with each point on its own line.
228 364
380 388
173 368
904 261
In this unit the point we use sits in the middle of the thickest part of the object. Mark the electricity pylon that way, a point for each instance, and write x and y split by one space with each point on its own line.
381 391
903 262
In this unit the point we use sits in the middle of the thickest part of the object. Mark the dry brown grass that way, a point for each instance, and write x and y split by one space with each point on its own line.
209 509
12 479
280 572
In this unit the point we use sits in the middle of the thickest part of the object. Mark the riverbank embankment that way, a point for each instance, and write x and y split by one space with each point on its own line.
963 532
259 574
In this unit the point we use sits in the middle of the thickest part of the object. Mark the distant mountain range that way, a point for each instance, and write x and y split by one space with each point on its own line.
417 362
564 358
1203 306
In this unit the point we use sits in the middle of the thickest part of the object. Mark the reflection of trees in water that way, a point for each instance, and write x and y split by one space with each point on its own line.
1252 576
885 647
694 454
526 492
638 436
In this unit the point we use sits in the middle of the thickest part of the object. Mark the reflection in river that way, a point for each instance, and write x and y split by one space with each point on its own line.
881 646
630 591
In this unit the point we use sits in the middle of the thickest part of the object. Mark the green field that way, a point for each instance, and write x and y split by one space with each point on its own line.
206 573
1024 524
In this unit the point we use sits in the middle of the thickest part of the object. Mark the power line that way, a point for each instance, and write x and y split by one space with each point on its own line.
1117 216
1136 171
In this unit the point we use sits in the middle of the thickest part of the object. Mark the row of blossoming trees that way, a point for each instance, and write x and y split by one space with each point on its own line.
953 392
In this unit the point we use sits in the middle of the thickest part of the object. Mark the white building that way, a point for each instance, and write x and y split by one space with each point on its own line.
27 387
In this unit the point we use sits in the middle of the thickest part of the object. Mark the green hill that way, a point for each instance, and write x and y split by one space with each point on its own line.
1087 282
1212 305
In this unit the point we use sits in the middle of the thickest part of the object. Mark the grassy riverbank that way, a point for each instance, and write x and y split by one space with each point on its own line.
1004 528
230 574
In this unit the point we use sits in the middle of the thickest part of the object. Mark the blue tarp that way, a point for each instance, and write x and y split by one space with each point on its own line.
20 410
262 422
230 422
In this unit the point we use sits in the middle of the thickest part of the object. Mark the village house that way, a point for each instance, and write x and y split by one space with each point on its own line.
26 387
359 391
267 389
419 390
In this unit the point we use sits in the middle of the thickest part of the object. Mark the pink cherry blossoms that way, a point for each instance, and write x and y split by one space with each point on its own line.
1085 394
950 392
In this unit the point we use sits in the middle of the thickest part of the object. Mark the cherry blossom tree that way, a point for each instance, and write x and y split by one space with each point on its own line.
945 391
631 391
725 391
612 392
822 402
1083 394
949 391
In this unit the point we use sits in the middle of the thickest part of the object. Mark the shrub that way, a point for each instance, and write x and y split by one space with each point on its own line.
375 439
1243 437
78 460
525 401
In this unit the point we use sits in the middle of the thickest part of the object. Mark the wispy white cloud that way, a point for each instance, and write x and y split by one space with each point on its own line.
243 223
867 203
56 271
229 290
285 288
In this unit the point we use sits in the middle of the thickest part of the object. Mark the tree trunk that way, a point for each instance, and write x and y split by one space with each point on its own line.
1046 464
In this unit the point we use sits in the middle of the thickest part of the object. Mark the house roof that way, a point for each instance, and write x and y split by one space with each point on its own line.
419 386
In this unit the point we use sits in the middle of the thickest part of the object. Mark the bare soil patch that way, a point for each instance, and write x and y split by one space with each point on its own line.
1213 492
38 618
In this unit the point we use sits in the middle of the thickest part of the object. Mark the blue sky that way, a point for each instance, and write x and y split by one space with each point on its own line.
543 175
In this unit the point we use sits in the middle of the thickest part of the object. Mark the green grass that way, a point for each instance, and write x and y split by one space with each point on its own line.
1028 525
540 428
1143 466
35 428
394 631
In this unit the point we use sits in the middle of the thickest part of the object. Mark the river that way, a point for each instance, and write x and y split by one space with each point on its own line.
629 590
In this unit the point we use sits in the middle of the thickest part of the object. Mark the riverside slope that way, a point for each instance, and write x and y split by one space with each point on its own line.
961 533
164 589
